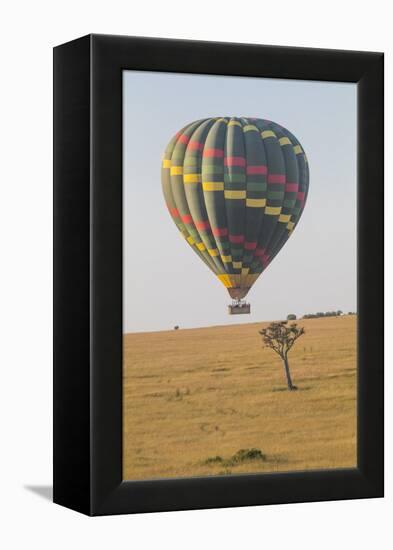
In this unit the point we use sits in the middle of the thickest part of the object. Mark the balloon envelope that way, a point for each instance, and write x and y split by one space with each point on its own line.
236 189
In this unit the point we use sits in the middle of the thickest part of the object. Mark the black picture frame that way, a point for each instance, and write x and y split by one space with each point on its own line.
88 274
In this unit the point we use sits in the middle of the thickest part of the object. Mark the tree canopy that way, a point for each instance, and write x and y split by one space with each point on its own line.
280 336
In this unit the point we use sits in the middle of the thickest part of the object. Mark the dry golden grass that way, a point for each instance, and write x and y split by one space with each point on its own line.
190 395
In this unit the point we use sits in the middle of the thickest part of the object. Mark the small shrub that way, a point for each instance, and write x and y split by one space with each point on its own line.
244 455
214 460
178 394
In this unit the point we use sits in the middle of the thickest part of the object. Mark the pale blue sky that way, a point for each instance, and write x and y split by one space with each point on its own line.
165 283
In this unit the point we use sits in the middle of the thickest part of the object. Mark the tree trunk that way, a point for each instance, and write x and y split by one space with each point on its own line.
288 374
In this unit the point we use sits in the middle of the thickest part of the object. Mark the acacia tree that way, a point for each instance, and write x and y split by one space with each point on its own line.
280 337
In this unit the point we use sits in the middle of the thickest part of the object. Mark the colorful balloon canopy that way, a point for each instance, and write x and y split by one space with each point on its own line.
235 188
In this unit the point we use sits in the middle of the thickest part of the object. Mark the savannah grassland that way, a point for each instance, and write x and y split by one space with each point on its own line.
194 398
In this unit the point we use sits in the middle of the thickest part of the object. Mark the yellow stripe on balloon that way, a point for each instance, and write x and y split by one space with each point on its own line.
250 128
245 270
213 186
201 246
190 240
234 123
166 163
213 251
237 265
273 210
224 278
284 141
285 218
192 178
226 259
256 203
268 133
290 226
233 195
297 150
176 170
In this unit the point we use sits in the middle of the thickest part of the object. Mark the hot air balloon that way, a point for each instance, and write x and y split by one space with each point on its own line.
236 189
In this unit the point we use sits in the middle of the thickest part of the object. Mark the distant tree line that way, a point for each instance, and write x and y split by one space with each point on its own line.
323 314
292 316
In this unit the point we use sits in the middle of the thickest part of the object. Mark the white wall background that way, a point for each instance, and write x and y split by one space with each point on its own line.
28 32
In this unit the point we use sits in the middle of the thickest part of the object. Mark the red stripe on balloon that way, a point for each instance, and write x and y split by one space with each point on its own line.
213 152
195 145
249 245
187 218
260 252
291 187
220 231
183 138
174 212
236 239
202 225
276 178
257 169
234 161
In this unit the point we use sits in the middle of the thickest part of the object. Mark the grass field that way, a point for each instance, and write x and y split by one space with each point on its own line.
194 398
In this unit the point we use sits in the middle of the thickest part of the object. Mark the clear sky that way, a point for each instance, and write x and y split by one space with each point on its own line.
165 283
